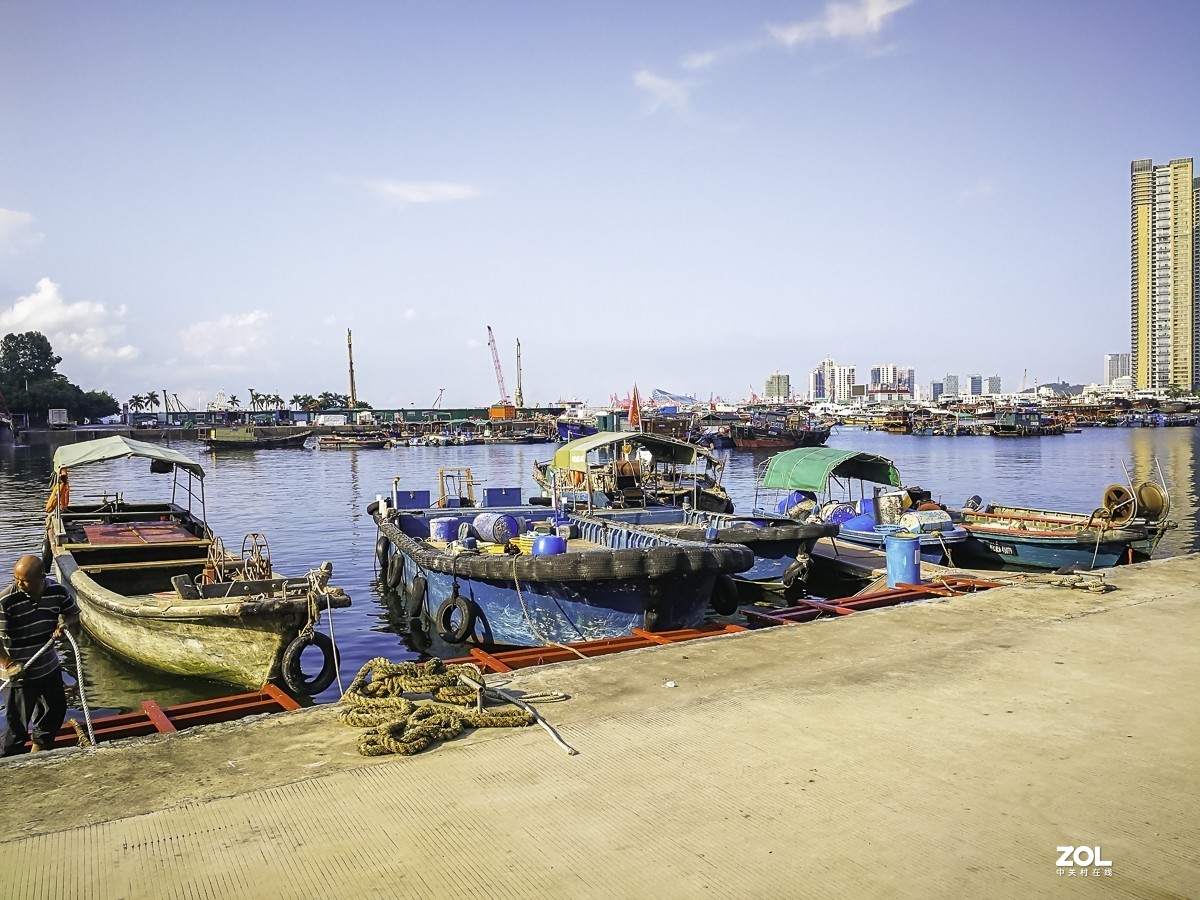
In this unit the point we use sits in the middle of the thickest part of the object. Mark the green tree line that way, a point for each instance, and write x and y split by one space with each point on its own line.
32 384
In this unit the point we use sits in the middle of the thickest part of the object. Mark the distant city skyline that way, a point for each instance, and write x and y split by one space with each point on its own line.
206 196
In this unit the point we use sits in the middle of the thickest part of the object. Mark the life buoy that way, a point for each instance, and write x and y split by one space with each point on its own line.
415 604
293 672
724 600
395 572
383 550
443 620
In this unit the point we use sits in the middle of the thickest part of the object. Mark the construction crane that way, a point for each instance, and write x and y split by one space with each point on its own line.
437 404
519 396
499 373
350 351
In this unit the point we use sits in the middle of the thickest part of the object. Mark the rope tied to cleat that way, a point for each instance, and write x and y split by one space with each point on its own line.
396 724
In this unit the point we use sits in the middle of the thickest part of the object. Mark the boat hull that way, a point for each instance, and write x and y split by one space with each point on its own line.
1042 552
239 650
939 547
634 579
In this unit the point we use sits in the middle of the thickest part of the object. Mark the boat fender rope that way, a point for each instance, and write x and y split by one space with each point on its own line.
395 724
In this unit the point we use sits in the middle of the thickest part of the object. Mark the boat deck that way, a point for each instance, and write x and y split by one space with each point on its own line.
129 533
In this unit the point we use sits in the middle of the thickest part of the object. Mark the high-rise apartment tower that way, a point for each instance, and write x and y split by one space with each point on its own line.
1164 283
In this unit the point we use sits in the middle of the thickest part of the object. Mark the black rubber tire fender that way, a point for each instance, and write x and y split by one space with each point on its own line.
293 674
415 602
372 507
444 617
724 600
395 572
794 573
383 552
47 555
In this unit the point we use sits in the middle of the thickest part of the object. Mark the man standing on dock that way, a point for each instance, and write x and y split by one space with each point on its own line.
30 609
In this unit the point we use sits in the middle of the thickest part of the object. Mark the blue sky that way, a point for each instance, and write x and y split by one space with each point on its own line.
685 195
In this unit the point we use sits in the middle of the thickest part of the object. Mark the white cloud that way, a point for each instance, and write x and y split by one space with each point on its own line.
82 330
664 92
840 20
980 190
17 233
404 193
705 58
229 343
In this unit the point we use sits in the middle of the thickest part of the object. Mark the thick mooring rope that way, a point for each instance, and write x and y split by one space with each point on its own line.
395 724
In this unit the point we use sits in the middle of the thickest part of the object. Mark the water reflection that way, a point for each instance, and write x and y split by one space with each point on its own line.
311 504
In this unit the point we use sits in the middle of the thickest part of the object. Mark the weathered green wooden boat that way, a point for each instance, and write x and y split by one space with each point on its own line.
156 586
253 437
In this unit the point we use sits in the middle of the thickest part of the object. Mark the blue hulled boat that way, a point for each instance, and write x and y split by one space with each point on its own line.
488 575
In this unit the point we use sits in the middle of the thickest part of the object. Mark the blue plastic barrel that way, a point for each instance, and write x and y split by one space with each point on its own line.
444 528
903 559
500 528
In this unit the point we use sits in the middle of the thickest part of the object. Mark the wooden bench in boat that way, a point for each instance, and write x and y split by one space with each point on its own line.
194 562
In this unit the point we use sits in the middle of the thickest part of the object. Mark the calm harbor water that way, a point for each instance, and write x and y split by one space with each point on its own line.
311 505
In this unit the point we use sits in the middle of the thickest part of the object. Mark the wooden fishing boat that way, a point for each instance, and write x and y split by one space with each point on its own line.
487 579
253 437
777 437
1125 528
634 469
373 441
156 586
862 494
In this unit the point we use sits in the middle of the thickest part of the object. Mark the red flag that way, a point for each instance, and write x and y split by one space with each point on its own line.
635 410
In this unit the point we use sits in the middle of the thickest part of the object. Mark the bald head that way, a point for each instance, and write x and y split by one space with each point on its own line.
30 576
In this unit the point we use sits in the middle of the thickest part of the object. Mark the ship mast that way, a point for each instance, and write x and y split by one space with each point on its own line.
519 396
350 350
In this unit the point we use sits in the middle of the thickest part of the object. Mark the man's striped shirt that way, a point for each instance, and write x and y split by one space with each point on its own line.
25 626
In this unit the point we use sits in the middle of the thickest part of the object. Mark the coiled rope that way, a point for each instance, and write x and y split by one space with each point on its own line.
395 724
90 739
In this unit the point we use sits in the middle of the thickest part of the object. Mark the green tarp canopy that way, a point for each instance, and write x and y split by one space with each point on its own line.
573 455
809 468
69 456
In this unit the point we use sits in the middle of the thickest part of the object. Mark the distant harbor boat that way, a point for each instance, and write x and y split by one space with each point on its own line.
252 437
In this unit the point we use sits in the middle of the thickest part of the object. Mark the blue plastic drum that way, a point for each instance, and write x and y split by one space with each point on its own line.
499 528
548 545
903 559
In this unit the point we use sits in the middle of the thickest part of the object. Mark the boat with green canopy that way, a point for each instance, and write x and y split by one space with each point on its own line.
156 586
860 492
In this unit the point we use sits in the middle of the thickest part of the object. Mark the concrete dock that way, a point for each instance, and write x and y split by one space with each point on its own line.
944 748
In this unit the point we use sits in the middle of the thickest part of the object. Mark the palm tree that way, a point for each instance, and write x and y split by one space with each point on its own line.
277 401
255 398
296 401
234 402
327 400
137 402
152 400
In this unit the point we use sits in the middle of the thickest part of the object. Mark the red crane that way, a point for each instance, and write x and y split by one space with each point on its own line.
496 361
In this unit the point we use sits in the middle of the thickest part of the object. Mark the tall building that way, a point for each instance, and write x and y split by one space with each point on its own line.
1116 365
950 385
829 381
900 379
1164 283
991 384
779 387
976 384
935 390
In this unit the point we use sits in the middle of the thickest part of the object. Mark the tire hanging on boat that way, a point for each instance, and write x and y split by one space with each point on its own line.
724 600
47 555
415 604
443 619
383 549
395 572
293 673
